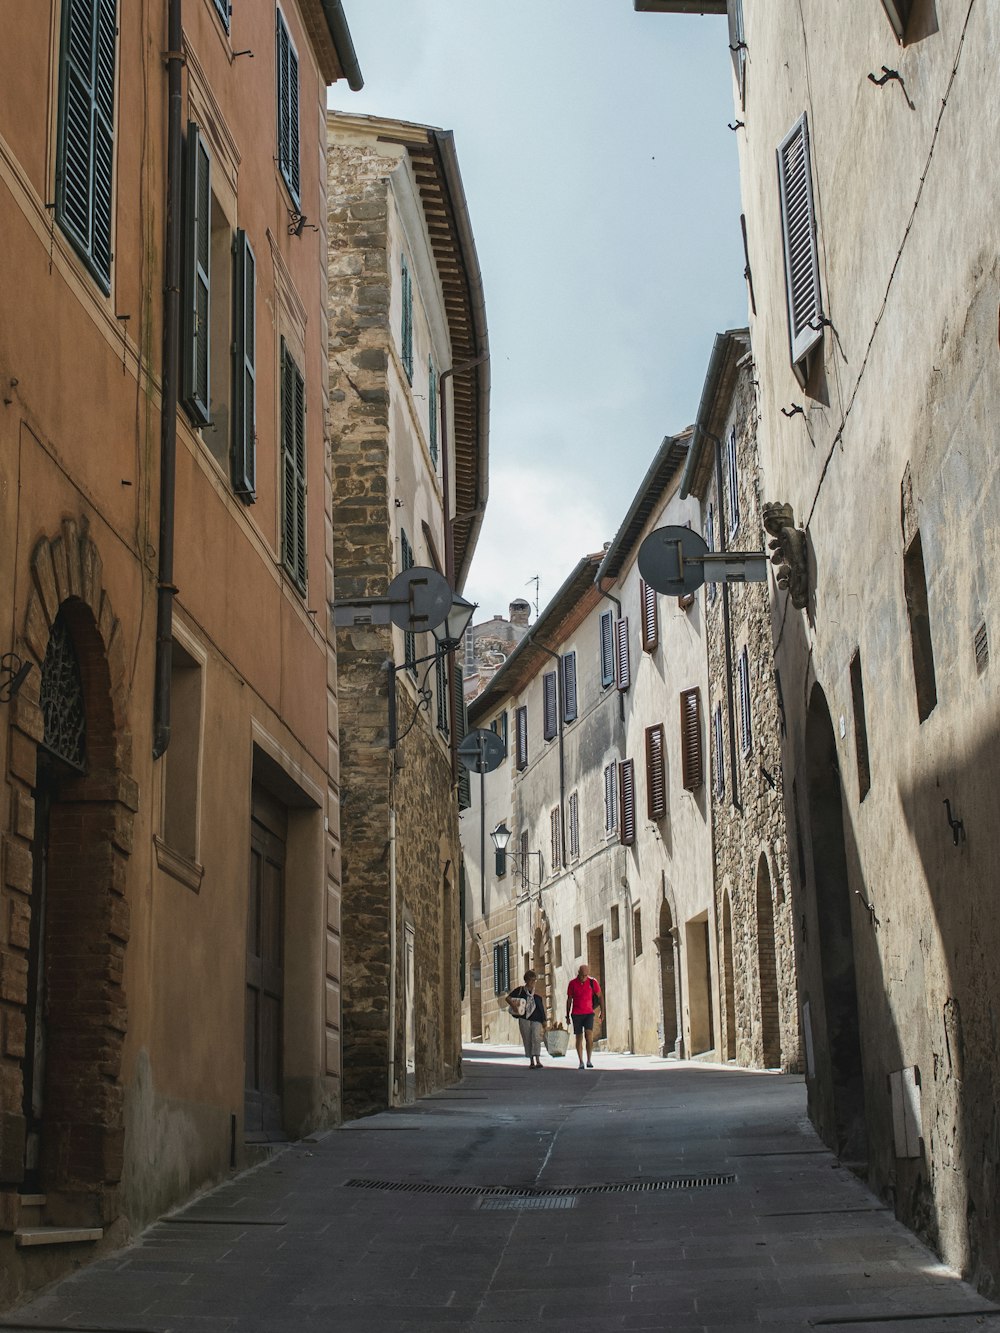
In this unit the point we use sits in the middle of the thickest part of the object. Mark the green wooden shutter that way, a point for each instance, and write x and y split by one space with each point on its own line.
222 6
293 467
85 143
441 681
432 409
244 446
195 355
406 332
288 109
409 639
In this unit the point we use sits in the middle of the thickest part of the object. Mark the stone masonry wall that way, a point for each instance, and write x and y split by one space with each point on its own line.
759 981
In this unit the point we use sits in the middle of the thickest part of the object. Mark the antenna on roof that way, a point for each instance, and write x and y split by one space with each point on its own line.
535 580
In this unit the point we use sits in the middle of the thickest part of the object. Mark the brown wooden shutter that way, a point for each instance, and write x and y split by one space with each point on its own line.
650 618
656 776
550 710
692 764
626 791
623 670
521 717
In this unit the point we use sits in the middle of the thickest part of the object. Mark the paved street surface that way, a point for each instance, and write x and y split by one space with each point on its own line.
638 1195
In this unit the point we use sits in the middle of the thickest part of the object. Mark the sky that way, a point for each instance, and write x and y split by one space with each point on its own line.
603 192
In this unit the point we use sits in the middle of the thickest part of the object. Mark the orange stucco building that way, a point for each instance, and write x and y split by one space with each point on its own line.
169 802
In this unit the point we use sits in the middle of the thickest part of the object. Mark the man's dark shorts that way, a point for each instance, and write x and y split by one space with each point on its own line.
583 1023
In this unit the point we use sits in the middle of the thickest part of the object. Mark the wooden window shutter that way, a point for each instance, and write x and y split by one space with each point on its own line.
692 766
409 638
293 468
710 588
288 110
550 706
223 10
656 774
720 753
461 724
623 668
746 730
555 829
196 353
406 331
441 681
432 410
737 46
650 619
732 483
610 798
521 737
244 446
570 706
85 142
523 844
574 824
798 225
607 649
626 774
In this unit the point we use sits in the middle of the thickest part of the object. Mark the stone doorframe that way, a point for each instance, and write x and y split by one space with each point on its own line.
84 1147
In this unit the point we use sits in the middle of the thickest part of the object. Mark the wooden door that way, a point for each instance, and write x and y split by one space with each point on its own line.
265 972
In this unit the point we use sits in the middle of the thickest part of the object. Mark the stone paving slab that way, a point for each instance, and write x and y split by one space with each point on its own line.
793 1242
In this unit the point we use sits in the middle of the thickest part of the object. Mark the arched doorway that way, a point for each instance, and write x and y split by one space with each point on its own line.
836 939
729 975
75 1016
666 944
475 992
767 969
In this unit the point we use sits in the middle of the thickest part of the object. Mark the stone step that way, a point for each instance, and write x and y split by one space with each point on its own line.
24 1236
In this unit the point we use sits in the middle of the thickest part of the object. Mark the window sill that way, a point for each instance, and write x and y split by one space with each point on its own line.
178 866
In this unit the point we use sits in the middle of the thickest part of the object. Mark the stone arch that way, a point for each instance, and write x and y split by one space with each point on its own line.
844 1091
69 851
728 974
767 968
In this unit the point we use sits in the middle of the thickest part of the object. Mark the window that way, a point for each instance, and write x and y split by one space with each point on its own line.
615 926
737 45
441 672
196 364
182 775
656 775
611 797
570 707
746 731
720 752
607 649
623 667
432 410
293 469
860 727
288 110
557 945
499 727
577 942
898 13
915 589
555 830
521 736
710 588
626 775
244 454
574 825
692 768
650 620
86 131
406 329
732 484
223 11
550 706
501 967
637 932
798 226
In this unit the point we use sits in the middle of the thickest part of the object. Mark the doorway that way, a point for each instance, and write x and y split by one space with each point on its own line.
263 1102
668 982
409 1014
767 969
729 975
475 992
699 961
595 961
836 937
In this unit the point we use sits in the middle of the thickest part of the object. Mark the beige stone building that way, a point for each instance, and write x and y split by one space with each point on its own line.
872 234
169 906
753 904
409 380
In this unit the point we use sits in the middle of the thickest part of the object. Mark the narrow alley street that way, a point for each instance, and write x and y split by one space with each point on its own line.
638 1195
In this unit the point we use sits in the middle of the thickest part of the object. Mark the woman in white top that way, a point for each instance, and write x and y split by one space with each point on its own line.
526 1005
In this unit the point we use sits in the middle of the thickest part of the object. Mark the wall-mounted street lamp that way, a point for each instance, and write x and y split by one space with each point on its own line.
501 836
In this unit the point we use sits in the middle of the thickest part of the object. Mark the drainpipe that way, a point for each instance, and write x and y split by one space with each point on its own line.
165 589
560 705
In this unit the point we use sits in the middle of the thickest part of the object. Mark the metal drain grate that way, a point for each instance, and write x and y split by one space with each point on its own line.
526 1205
519 1192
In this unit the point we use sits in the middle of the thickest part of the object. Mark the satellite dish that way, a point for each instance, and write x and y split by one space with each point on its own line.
482 751
419 599
670 560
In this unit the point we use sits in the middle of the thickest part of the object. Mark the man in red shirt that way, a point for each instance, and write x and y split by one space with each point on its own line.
583 999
